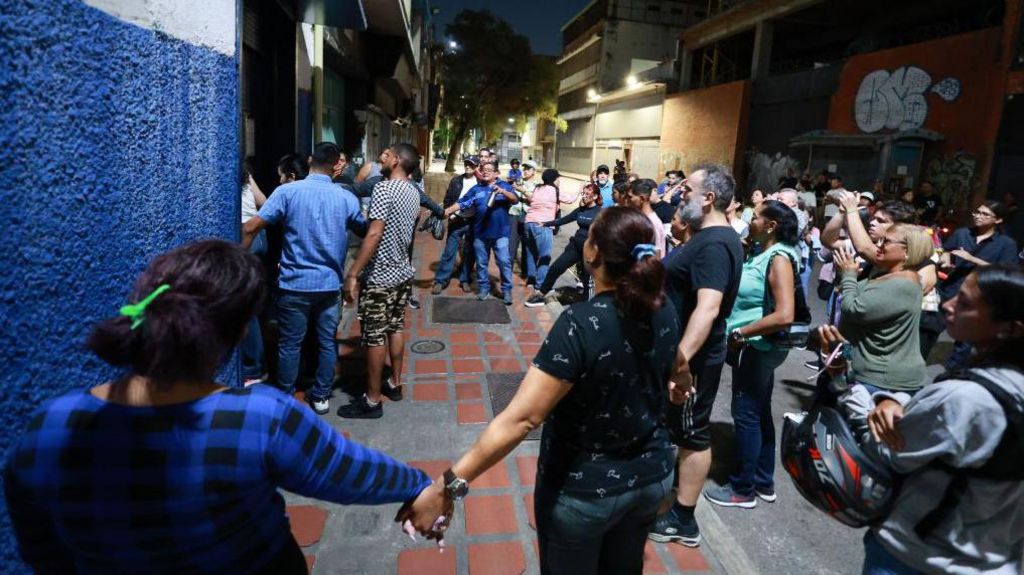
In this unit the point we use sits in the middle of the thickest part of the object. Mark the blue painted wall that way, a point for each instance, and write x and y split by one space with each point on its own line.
116 143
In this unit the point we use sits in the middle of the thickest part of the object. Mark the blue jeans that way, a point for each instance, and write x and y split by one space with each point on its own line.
295 311
879 561
538 242
595 535
752 382
483 250
252 350
446 266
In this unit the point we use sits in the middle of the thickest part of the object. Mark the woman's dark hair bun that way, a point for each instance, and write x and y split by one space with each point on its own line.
189 330
639 283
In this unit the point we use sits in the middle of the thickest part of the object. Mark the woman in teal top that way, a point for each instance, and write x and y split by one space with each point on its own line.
775 229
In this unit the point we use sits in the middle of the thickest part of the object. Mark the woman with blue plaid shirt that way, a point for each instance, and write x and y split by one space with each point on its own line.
166 471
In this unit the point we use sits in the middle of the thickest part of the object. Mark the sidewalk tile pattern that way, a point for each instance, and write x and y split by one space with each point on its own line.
494 530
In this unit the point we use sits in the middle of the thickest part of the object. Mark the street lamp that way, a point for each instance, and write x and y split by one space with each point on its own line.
453 44
511 120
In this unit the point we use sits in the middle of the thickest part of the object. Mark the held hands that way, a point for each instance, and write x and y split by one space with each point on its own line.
680 385
845 260
882 421
849 202
429 514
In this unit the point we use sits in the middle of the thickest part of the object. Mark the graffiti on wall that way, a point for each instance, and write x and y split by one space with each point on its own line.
896 100
766 171
953 178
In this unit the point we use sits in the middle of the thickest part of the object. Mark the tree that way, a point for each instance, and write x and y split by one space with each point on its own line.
489 76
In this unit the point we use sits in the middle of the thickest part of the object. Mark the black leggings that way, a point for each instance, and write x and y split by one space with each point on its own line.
572 255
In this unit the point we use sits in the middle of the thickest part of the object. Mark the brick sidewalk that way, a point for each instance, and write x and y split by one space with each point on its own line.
446 406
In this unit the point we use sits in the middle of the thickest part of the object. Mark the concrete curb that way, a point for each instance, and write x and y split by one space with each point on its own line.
724 547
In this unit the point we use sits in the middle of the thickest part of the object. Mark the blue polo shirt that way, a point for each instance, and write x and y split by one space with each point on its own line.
607 200
515 175
488 223
316 215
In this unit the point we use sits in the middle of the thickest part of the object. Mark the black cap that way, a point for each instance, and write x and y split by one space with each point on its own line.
471 161
603 169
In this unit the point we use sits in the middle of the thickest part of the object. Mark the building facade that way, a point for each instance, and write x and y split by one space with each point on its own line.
873 91
613 52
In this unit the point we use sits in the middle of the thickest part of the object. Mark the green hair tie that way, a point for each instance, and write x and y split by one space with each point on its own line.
137 311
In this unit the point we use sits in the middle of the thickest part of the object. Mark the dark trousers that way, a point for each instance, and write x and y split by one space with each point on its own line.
517 245
596 535
753 380
960 357
572 255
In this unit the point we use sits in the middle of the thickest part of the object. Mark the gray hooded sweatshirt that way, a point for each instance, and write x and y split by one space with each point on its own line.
960 423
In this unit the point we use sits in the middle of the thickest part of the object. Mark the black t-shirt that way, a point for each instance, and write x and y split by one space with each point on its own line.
607 435
712 259
931 206
664 210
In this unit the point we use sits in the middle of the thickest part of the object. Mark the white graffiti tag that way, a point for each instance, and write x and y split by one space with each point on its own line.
896 100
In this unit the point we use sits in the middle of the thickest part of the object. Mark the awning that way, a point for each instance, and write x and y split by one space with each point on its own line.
873 141
345 14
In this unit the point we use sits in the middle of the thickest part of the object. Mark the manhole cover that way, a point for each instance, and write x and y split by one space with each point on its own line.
428 346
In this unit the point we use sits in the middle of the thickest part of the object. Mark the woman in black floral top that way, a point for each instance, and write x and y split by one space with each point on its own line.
599 383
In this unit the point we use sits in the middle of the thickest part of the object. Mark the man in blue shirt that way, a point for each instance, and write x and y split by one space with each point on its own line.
491 227
514 174
604 182
316 216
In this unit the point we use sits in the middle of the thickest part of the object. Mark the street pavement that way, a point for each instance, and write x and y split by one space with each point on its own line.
446 406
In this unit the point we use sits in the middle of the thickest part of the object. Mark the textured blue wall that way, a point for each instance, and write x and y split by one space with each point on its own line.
116 143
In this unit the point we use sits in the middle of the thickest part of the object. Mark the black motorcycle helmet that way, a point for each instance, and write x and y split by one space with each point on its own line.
831 471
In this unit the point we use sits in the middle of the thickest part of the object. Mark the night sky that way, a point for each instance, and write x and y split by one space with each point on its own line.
539 20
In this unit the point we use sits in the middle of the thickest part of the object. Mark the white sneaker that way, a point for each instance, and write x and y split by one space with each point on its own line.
320 406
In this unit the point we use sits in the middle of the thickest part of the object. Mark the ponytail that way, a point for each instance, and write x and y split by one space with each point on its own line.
624 238
187 331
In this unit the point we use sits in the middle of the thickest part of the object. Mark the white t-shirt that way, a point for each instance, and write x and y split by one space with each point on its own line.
742 228
467 184
248 203
810 200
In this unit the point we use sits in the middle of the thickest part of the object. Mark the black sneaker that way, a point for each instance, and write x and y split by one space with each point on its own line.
360 408
391 392
767 495
414 302
669 529
535 300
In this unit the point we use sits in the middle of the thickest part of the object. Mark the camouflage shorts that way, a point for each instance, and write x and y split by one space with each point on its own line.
382 312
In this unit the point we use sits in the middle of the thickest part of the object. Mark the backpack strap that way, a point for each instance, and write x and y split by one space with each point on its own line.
1004 464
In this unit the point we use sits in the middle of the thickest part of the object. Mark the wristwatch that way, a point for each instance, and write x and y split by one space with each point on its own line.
456 487
737 336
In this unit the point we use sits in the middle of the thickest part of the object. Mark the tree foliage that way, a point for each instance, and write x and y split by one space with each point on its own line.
492 75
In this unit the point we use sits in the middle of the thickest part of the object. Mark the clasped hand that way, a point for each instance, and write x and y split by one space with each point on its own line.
429 514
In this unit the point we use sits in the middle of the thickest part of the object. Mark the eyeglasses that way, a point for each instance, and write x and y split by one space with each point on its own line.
887 241
983 214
